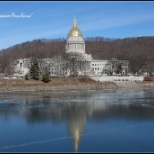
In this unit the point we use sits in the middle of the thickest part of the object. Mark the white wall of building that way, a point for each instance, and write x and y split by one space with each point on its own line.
21 67
97 66
118 78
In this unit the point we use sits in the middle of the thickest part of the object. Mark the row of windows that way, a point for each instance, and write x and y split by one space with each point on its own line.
101 64
98 64
101 72
81 44
96 68
76 45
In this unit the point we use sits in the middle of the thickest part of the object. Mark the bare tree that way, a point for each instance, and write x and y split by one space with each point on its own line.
77 64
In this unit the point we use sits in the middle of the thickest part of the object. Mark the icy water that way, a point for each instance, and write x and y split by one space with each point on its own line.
77 121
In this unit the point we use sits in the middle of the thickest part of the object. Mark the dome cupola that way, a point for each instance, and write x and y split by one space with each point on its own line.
75 31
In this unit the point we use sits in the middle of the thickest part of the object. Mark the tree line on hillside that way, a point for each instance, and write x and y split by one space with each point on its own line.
139 51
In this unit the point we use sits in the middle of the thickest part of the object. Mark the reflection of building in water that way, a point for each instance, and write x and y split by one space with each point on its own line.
99 105
76 121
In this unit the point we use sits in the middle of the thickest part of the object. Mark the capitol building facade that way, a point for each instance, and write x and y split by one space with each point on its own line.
76 63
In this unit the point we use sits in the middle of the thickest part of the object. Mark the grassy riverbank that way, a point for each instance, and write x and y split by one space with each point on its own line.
57 84
54 85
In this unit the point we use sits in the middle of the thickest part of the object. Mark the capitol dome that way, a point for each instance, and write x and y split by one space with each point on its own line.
75 42
75 31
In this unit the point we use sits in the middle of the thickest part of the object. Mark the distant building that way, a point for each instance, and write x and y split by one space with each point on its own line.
21 67
79 62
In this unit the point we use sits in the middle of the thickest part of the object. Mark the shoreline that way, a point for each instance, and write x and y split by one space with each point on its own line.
22 85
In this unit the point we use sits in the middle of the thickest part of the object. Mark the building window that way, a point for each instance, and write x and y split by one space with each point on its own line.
20 64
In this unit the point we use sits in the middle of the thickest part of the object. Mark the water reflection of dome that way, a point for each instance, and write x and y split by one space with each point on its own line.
76 139
76 121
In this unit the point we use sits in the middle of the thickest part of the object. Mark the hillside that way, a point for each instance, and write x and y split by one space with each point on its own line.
139 51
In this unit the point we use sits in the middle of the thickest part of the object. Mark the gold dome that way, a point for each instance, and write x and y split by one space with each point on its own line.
75 31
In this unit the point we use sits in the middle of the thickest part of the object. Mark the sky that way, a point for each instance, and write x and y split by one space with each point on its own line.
53 19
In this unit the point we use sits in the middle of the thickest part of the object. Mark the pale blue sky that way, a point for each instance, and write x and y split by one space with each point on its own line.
54 20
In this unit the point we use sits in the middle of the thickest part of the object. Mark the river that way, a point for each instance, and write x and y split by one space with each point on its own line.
120 120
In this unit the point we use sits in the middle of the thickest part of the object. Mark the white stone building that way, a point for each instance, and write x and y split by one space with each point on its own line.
76 44
21 67
83 63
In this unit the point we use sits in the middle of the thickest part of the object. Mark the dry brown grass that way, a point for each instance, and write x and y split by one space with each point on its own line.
54 81
149 78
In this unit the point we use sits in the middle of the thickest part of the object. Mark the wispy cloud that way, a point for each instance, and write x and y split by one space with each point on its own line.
116 21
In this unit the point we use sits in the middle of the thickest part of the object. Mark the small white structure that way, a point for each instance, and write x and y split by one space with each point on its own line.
118 78
21 67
